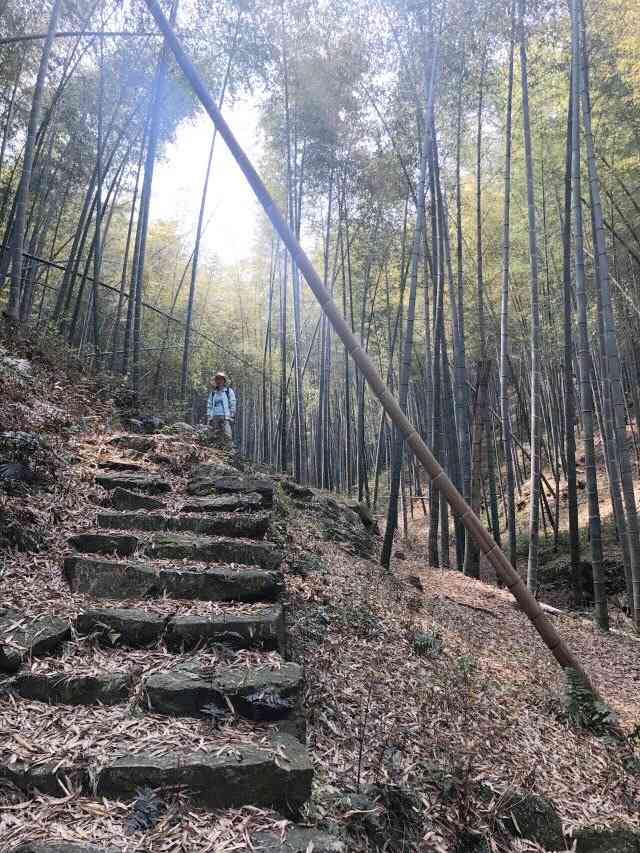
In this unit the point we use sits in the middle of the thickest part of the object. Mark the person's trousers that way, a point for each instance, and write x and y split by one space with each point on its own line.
220 426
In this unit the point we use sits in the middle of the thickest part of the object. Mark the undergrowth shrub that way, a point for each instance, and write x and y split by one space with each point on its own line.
427 643
306 565
283 505
360 619
145 812
584 709
631 761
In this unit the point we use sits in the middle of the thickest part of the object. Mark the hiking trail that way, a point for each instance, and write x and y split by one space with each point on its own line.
180 620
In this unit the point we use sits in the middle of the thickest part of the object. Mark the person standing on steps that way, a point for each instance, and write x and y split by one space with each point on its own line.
221 409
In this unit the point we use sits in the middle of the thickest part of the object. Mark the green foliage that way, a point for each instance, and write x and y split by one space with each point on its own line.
145 811
585 710
283 505
359 618
467 842
634 736
631 764
428 643
631 761
466 666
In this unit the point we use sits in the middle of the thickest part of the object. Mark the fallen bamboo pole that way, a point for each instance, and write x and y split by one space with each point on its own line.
492 552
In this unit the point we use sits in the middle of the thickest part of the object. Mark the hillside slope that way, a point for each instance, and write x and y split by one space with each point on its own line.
433 712
433 681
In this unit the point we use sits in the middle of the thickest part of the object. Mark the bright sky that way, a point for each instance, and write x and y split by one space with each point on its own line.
178 181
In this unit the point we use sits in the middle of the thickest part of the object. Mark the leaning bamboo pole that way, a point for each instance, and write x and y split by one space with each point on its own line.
492 552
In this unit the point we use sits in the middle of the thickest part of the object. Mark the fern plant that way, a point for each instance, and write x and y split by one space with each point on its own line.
584 709
427 643
145 812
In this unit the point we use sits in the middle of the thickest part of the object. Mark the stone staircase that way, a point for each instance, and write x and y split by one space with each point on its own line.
211 647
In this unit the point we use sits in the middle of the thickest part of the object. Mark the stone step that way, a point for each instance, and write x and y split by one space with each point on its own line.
130 580
225 503
253 526
124 499
47 778
180 546
276 774
61 847
62 688
165 546
279 777
206 480
121 465
148 483
121 544
24 636
264 629
260 694
139 443
116 626
296 840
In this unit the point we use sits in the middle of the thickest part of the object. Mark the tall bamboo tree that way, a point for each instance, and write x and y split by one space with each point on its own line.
584 354
504 312
536 340
22 193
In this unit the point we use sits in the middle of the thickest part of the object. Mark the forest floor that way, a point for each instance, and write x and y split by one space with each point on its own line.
423 682
486 702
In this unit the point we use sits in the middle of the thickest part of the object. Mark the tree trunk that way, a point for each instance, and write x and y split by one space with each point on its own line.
595 529
504 315
471 553
613 376
407 344
569 389
284 457
125 262
534 506
97 247
480 424
196 251
17 246
145 203
5 138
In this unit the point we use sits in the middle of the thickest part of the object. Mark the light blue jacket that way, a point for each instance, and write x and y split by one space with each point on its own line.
222 403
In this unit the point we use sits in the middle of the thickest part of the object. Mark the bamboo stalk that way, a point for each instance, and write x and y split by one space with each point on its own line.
492 552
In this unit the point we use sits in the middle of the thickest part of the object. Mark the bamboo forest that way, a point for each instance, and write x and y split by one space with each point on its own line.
319 426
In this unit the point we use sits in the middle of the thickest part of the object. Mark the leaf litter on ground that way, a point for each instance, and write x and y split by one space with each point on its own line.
482 708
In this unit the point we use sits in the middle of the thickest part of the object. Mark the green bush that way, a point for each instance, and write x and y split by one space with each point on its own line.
427 643
584 709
